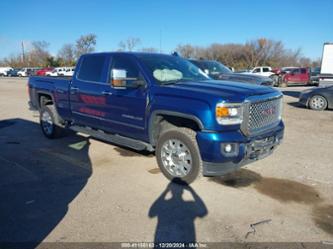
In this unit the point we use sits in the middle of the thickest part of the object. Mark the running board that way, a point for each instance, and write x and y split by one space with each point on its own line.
114 138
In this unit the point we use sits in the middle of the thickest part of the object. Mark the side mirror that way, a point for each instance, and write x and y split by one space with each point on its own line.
206 71
120 80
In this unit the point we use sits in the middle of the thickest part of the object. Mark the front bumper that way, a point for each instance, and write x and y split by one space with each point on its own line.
249 149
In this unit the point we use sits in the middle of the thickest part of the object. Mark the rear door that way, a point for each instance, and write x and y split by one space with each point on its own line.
88 103
266 71
304 76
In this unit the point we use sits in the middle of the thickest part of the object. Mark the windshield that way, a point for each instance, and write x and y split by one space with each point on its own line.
167 69
215 67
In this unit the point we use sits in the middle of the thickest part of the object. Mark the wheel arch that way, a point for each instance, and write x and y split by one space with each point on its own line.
158 117
44 98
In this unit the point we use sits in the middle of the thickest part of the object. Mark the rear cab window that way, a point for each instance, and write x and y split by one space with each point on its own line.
92 68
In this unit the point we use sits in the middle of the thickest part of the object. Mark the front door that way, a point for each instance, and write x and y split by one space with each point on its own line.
126 106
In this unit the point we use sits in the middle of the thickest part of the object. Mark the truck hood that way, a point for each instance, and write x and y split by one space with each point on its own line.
227 90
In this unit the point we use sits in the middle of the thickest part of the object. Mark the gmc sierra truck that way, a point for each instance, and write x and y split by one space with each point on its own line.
162 103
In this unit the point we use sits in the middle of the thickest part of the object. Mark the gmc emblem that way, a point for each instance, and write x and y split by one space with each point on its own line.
269 111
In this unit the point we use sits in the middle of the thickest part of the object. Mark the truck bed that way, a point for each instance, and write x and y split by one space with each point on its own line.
57 86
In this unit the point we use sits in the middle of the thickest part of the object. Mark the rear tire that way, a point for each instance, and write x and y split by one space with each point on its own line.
178 155
317 103
49 122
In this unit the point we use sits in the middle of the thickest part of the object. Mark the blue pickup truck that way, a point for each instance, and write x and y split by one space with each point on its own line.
162 103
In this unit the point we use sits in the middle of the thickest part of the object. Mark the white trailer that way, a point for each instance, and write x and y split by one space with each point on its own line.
326 71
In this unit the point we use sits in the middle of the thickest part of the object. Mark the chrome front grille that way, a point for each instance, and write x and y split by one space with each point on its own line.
262 115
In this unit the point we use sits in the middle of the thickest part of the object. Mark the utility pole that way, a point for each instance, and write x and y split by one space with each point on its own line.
23 55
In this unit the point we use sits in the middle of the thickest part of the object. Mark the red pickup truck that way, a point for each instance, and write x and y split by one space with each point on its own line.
295 76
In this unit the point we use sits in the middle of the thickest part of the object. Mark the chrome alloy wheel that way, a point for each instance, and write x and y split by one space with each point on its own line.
47 123
176 158
317 103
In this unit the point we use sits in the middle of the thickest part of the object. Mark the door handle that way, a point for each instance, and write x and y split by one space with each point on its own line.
74 89
60 91
106 93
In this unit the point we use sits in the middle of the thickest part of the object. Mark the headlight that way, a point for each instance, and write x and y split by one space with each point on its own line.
229 114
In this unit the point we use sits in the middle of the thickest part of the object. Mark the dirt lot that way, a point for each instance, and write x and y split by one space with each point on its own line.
79 189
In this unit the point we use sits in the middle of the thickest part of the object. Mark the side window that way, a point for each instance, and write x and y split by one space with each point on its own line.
91 68
126 63
303 71
256 70
296 71
265 69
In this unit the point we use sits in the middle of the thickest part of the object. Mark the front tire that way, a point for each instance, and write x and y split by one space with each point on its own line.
178 155
317 103
49 122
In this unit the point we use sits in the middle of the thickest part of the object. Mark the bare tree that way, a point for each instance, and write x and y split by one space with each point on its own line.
129 45
67 55
39 53
187 50
85 44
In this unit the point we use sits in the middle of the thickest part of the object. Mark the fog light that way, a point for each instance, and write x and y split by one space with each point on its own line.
230 149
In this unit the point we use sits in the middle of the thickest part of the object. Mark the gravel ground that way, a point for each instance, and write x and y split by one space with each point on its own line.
78 189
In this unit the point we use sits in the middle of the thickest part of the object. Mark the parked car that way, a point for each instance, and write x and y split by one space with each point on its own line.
318 98
4 71
13 72
218 71
326 71
25 72
68 72
55 72
43 71
296 76
165 104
